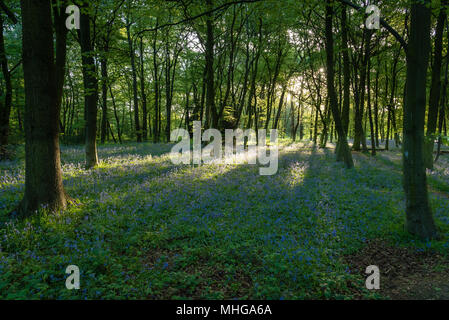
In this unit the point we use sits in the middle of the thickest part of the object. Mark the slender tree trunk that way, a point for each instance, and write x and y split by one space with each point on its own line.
156 123
90 91
435 89
142 93
134 75
168 85
418 212
104 95
344 152
370 114
5 105
442 113
376 105
346 72
281 105
210 97
117 119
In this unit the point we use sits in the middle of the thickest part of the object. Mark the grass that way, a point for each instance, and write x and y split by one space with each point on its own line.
144 228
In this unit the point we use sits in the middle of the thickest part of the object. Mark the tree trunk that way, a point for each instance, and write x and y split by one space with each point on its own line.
104 95
90 91
156 123
344 152
346 72
370 113
134 75
5 105
419 214
43 174
210 97
142 93
434 99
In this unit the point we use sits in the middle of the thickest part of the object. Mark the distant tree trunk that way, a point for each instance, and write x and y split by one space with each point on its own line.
370 113
434 99
117 119
61 45
5 105
134 74
376 105
210 97
344 152
442 113
281 105
170 72
104 95
419 214
142 93
346 72
156 123
392 128
43 174
255 68
90 90
360 136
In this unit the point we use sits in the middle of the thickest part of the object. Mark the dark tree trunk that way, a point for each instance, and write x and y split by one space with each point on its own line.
281 105
359 132
104 95
376 105
117 119
442 113
90 91
434 99
419 214
5 105
346 72
210 97
156 123
132 56
142 93
370 113
344 152
43 174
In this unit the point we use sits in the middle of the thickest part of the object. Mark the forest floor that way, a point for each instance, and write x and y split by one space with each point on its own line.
143 228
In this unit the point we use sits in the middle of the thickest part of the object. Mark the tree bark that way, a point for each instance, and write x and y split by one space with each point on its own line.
132 56
344 152
5 105
90 90
419 219
434 99
43 174
143 94
346 72
210 96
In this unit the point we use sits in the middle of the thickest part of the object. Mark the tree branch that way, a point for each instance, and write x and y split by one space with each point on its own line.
8 12
389 28
223 6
